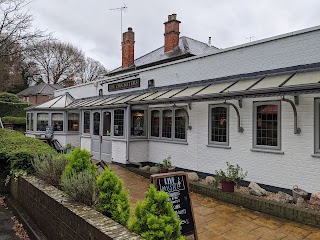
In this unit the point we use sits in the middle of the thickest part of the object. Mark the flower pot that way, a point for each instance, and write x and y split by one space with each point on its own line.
172 169
227 186
163 170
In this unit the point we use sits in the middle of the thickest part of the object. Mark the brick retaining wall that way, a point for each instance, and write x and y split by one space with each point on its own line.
60 218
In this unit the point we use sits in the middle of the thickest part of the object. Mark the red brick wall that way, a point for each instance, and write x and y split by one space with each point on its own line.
38 99
128 48
171 33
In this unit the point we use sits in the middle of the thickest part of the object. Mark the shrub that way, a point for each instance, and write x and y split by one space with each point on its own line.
155 218
50 168
113 198
17 150
14 120
233 174
80 186
7 108
78 161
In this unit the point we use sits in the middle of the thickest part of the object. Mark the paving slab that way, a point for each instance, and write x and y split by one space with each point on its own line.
6 225
218 220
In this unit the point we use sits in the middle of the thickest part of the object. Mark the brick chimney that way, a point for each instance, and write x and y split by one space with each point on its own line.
128 48
171 33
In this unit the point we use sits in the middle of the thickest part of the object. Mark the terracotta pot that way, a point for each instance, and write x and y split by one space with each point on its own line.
227 186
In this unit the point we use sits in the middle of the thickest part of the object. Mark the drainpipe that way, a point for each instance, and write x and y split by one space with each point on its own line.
128 137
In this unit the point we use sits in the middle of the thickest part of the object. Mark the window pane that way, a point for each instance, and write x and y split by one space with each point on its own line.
96 123
57 121
86 122
155 123
118 122
137 123
31 121
267 125
107 124
28 121
219 124
42 121
166 123
73 121
180 124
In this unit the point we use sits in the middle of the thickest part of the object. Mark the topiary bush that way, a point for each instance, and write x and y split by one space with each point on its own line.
50 168
155 218
17 151
78 161
14 120
11 105
80 186
113 199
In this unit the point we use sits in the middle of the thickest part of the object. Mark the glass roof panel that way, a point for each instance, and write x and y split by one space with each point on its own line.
126 99
88 103
84 103
170 93
304 78
98 102
189 91
272 81
154 95
142 96
105 101
116 99
242 85
214 88
49 103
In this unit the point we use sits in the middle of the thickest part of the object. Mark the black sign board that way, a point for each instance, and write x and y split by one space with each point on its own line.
133 83
176 185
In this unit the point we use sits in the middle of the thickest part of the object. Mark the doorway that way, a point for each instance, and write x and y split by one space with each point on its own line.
101 145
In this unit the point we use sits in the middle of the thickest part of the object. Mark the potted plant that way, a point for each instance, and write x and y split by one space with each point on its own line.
229 178
166 165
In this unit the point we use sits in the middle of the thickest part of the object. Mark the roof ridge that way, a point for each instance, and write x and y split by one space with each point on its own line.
200 42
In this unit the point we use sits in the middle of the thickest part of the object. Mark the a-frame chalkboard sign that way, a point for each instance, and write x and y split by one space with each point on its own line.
176 185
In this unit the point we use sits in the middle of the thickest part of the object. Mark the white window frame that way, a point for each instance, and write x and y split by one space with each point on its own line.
124 123
172 139
255 106
213 143
82 123
67 122
63 116
49 120
316 126
145 122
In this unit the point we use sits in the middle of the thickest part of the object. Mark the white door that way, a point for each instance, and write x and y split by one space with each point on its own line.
96 136
106 136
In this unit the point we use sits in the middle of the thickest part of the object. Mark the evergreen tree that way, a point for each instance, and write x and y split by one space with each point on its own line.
155 219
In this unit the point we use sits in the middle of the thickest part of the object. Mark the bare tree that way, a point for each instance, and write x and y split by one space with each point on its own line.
91 71
57 61
15 27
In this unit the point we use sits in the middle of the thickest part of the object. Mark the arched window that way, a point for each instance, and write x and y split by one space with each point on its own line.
180 122
155 123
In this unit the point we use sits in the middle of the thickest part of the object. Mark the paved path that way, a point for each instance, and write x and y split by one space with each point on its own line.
218 220
6 224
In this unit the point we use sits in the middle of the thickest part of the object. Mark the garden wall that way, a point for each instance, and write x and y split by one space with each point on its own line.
60 218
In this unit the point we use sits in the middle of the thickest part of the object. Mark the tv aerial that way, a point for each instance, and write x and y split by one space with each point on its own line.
121 9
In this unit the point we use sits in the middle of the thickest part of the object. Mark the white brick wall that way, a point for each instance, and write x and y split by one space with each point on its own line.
119 151
295 167
139 151
85 143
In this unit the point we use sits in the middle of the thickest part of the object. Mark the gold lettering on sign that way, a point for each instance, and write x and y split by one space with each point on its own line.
124 85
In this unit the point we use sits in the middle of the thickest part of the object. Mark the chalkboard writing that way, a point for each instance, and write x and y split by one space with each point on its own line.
176 185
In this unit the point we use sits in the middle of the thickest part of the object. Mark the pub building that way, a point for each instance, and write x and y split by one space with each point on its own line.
256 105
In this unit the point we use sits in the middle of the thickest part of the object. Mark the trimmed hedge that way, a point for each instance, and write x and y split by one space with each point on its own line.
17 150
8 108
14 120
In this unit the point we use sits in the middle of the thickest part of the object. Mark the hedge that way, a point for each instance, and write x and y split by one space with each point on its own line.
14 120
17 150
11 105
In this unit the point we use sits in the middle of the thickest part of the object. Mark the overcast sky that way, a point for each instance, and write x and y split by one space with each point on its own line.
92 27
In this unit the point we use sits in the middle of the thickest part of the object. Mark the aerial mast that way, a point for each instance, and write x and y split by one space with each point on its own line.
121 9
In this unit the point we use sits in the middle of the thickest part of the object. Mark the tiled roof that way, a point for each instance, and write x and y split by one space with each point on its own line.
187 46
41 89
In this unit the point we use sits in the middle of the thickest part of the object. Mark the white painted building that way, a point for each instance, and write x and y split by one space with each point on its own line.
256 105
